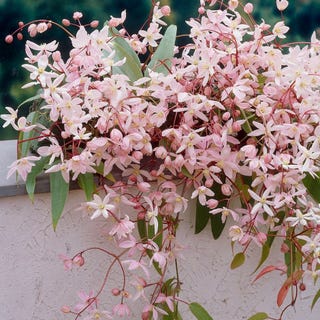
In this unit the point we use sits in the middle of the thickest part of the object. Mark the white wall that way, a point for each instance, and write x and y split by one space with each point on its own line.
34 285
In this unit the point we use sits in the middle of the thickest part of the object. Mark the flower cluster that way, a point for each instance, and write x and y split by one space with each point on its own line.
233 116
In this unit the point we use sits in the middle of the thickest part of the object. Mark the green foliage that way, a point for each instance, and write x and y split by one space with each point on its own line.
199 312
238 260
59 190
259 316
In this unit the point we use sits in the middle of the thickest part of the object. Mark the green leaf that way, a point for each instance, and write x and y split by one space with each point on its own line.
264 255
259 316
37 169
313 186
131 67
238 260
59 192
142 229
87 184
186 173
25 138
34 98
315 299
151 235
217 225
161 59
199 312
202 217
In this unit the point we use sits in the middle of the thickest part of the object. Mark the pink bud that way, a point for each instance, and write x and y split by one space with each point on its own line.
32 29
8 38
65 309
56 56
302 287
248 8
144 186
42 27
267 158
116 135
226 116
77 15
94 23
179 161
226 189
209 183
19 36
212 203
141 215
236 127
78 260
165 10
66 22
21 24
282 4
115 291
161 152
138 155
207 91
201 10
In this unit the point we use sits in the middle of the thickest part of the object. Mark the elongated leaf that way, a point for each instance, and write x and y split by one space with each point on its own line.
294 278
59 192
37 169
142 229
202 217
199 312
315 299
25 138
34 98
161 59
131 67
217 225
151 235
264 271
313 186
259 316
87 184
238 260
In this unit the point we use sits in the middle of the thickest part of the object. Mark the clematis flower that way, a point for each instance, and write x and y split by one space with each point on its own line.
100 206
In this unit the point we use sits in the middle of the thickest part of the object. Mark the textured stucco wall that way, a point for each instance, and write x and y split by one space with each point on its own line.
34 285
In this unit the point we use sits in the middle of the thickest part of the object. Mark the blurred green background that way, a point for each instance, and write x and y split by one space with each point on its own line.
302 16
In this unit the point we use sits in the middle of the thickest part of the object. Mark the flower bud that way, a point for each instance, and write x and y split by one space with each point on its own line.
226 116
116 135
302 287
19 36
226 189
165 10
115 291
138 155
94 23
8 38
21 24
77 15
32 29
284 248
201 10
65 309
161 152
66 22
56 56
144 186
42 27
212 203
209 183
248 8
78 260
141 215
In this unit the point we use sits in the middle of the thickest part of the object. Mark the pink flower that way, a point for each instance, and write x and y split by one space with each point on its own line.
121 310
122 228
100 206
22 166
87 301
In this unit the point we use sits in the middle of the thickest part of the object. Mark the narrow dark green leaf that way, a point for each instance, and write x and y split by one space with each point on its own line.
202 217
264 255
142 229
25 138
37 169
87 184
34 98
151 235
238 260
313 186
161 59
131 67
199 312
59 192
217 225
315 299
259 316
